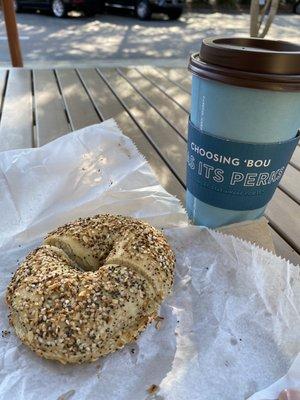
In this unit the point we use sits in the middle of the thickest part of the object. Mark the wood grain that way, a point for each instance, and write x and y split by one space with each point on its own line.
290 183
175 93
170 111
164 138
295 160
16 125
180 77
51 118
284 216
80 109
283 249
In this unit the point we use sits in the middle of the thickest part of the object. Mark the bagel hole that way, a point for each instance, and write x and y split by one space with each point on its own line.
77 261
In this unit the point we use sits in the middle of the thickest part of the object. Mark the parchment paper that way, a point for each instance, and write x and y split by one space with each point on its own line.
231 326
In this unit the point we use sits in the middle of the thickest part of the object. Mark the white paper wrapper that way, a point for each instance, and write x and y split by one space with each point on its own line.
290 380
94 170
239 317
230 327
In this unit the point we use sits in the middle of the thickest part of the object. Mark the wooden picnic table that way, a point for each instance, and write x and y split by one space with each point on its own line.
151 106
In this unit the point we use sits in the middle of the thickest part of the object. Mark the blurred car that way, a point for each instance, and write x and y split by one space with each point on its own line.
59 8
142 8
296 7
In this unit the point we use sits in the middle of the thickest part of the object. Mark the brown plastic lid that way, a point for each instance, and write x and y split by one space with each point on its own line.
249 62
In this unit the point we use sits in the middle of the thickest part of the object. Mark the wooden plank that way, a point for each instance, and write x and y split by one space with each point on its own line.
174 92
284 216
182 71
295 160
51 119
167 142
80 109
103 99
3 81
16 125
178 76
283 249
109 106
290 183
170 111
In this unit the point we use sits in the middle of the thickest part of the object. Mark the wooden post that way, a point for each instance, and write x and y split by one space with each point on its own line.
12 33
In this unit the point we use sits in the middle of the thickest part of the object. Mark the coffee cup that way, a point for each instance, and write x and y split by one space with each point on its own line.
243 127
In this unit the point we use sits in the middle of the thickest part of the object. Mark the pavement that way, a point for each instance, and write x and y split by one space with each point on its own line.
118 40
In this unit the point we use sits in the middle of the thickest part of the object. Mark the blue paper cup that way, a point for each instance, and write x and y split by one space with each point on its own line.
245 115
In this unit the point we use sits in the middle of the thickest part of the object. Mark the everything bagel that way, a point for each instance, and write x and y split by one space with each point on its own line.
92 287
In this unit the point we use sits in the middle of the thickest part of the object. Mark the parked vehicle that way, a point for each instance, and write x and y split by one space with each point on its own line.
59 8
142 8
145 8
296 7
